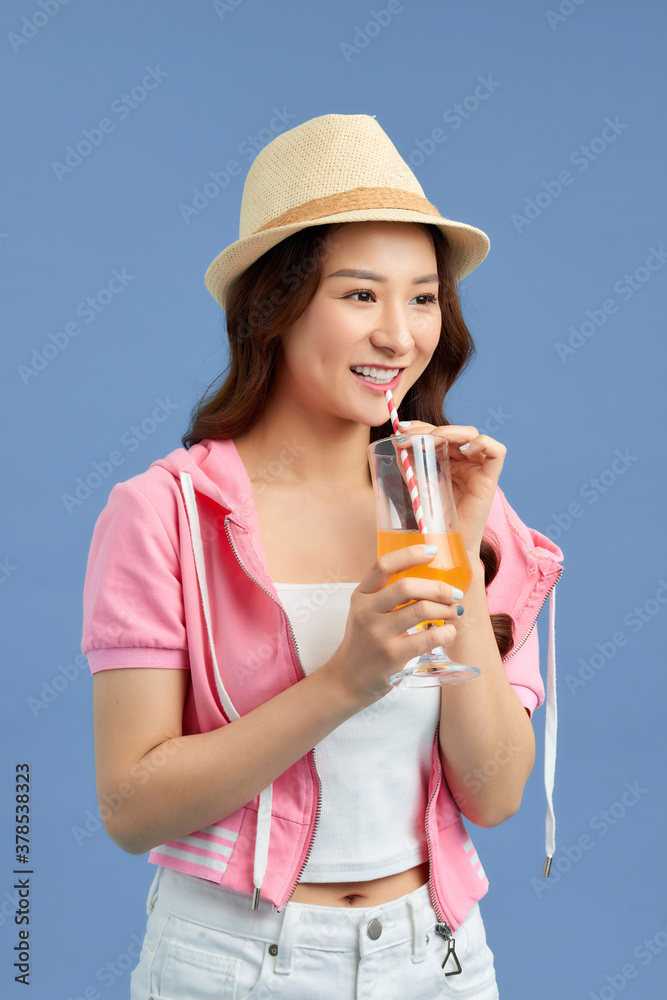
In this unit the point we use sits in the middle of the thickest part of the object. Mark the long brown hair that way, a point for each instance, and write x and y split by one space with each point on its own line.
269 297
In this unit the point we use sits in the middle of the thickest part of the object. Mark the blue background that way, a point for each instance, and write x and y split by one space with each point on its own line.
556 78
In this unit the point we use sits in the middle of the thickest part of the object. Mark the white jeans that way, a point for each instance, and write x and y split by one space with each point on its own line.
206 943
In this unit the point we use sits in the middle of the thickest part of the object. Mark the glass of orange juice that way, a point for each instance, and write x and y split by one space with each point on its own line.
399 527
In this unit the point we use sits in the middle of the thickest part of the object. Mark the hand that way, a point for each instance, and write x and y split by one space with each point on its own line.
474 472
376 643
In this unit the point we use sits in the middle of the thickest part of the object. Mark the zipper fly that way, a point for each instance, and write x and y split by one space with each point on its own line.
311 753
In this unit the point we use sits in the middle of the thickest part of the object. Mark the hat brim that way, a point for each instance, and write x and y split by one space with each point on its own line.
469 244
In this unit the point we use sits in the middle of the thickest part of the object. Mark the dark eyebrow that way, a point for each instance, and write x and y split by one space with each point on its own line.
351 272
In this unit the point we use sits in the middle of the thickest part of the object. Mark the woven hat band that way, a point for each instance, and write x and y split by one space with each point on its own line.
350 201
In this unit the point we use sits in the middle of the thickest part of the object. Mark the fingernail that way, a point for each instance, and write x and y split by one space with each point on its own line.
431 550
463 447
456 593
404 423
459 609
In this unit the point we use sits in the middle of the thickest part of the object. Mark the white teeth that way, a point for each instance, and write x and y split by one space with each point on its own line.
377 375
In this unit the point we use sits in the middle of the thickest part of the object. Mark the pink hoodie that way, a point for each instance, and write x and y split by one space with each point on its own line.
177 578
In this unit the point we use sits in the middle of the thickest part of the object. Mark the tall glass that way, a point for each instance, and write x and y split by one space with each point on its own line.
398 527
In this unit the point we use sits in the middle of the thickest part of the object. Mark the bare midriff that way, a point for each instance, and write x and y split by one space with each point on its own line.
372 893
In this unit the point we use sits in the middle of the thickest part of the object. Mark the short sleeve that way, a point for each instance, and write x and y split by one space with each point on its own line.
523 672
133 613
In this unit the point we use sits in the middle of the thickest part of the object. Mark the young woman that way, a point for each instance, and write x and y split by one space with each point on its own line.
305 816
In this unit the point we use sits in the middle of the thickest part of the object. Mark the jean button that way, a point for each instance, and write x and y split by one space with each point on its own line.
374 929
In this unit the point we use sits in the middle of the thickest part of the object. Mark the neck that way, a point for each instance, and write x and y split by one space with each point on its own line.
320 452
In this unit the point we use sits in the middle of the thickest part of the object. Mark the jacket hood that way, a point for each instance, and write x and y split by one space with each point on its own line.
216 470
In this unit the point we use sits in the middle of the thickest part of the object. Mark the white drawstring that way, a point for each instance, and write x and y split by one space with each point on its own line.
550 731
262 841
195 532
263 833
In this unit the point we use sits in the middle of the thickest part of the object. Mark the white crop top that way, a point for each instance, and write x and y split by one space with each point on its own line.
374 768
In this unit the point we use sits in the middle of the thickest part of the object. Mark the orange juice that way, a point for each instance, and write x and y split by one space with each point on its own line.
449 565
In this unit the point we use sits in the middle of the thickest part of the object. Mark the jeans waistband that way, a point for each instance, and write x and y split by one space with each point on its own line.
363 930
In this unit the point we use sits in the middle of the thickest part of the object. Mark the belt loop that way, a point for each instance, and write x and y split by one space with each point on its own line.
286 941
418 930
152 892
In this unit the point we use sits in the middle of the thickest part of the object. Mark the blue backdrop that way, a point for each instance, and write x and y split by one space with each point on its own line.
127 137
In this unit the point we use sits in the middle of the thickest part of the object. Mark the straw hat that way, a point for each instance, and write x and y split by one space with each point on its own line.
335 168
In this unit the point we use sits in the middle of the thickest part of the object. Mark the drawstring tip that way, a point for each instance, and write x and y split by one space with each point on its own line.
255 899
547 867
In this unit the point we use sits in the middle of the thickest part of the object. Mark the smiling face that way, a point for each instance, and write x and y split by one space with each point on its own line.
373 323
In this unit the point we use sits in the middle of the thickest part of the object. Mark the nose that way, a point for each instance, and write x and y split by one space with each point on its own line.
393 332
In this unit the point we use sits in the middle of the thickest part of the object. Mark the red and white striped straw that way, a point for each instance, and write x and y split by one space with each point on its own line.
407 468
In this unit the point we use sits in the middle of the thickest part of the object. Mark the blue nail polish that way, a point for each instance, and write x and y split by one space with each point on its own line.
464 447
456 593
459 609
404 423
431 550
